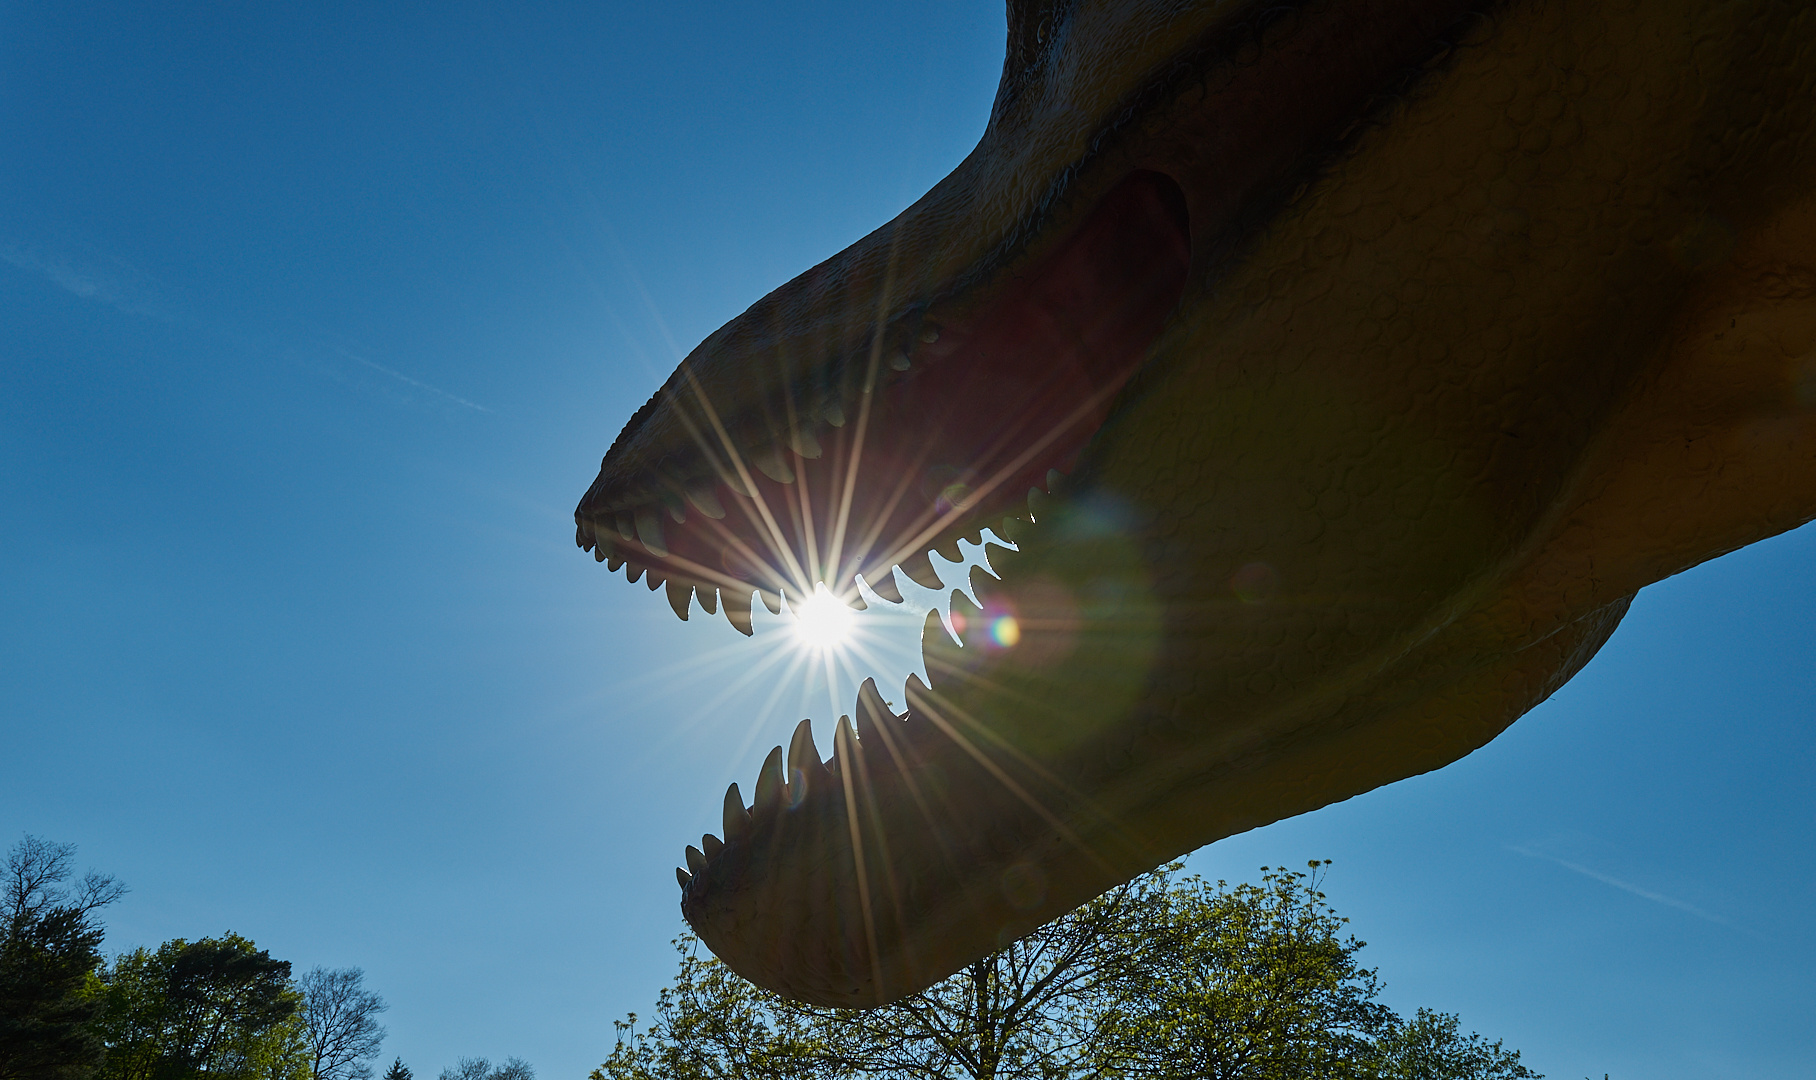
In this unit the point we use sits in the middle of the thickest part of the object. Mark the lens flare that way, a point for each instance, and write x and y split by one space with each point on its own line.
822 622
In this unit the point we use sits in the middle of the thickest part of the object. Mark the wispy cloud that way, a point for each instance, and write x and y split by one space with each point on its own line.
123 288
401 377
1627 886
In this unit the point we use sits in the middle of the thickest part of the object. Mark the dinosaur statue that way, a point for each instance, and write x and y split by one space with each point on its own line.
1338 369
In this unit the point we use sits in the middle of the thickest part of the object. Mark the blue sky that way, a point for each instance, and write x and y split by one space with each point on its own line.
313 326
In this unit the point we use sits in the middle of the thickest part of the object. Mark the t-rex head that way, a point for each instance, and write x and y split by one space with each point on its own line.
1340 370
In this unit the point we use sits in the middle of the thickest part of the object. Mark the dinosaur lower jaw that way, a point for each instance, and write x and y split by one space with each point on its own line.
916 444
933 836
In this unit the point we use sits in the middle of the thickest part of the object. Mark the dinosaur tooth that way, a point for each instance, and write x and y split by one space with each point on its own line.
709 599
1014 529
626 525
683 877
632 571
679 594
930 333
736 604
1040 504
805 769
919 569
736 483
583 536
770 462
833 413
899 360
649 530
769 785
710 846
705 500
844 744
737 819
696 859
599 554
676 510
805 444
1056 482
655 580
613 562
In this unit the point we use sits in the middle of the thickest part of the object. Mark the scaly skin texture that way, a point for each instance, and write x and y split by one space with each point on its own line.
1390 349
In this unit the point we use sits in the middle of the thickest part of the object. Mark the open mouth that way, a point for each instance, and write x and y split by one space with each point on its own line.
930 429
924 385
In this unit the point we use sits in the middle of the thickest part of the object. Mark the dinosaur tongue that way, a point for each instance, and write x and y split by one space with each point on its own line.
961 420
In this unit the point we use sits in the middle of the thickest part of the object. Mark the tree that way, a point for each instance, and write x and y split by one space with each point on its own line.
1161 978
1258 981
398 1070
48 955
340 1018
1429 1046
218 1007
514 1068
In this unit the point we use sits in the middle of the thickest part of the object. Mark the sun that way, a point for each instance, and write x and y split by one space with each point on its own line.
822 623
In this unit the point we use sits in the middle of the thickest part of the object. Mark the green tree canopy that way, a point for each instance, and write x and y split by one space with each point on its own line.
214 1008
1166 977
50 937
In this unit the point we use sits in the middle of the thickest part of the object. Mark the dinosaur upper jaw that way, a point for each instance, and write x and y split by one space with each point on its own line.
910 432
911 389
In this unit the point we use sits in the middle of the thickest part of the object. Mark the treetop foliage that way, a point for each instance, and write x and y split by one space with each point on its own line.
1165 977
213 1009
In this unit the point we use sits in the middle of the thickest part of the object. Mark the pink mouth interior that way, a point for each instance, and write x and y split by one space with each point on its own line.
1000 395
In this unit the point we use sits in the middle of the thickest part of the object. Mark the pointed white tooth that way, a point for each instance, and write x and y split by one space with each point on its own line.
626 525
737 819
769 785
706 501
684 878
871 706
680 593
649 530
696 859
804 764
806 445
736 604
930 333
677 511
833 413
900 360
711 845
770 462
